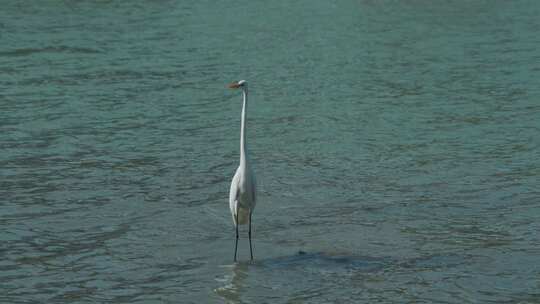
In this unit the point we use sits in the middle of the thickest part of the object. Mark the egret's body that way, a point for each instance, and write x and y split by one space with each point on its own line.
242 196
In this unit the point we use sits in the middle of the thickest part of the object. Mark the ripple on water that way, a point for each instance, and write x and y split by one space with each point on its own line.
395 142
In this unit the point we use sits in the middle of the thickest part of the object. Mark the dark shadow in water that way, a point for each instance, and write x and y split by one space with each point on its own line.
302 265
327 261
234 285
336 262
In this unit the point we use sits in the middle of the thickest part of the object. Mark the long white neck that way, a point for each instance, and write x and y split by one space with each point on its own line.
243 151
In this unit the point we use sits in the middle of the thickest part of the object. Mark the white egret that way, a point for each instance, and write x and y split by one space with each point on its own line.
242 195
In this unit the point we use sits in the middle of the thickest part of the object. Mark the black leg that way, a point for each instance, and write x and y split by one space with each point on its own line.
250 248
236 243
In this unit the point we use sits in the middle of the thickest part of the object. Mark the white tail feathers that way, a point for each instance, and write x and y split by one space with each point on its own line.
243 216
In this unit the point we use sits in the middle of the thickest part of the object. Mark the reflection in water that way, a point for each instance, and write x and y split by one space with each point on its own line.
233 283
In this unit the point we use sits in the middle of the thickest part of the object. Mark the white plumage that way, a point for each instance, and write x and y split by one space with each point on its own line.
242 195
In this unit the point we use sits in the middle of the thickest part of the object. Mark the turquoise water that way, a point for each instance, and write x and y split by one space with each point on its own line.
395 144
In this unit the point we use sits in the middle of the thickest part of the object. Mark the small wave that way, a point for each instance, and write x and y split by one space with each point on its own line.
49 49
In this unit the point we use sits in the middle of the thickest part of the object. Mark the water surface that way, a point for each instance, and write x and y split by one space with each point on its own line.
395 144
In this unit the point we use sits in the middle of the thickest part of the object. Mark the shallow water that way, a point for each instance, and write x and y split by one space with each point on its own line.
395 144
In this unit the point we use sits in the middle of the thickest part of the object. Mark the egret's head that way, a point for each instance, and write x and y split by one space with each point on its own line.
242 84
